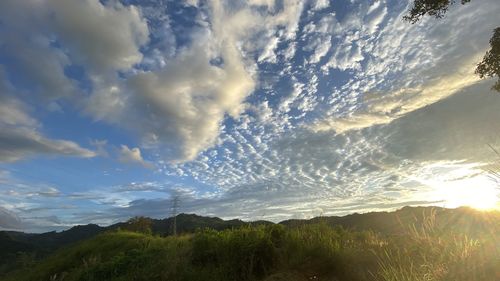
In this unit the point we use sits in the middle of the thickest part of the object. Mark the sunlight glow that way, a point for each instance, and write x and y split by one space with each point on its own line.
477 193
460 185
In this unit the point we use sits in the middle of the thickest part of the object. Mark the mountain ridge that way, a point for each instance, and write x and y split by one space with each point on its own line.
383 222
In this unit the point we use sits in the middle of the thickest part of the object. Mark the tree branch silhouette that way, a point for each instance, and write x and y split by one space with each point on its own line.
490 65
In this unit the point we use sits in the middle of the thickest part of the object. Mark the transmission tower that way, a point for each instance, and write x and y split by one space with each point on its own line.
175 206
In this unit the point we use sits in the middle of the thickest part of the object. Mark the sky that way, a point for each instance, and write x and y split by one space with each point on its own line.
257 109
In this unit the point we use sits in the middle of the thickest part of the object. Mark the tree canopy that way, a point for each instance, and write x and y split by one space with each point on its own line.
490 65
139 224
435 8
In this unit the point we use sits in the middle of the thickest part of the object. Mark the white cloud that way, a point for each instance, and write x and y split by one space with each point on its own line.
56 34
304 174
268 3
420 59
180 107
19 132
20 143
320 4
25 39
32 206
347 56
13 113
287 101
103 36
319 36
279 111
365 170
269 53
189 98
180 100
396 73
8 220
133 156
375 16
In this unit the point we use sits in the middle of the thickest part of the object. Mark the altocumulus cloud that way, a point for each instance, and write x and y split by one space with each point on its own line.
252 109
189 92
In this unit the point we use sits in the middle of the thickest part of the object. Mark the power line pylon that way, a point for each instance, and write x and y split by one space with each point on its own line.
175 206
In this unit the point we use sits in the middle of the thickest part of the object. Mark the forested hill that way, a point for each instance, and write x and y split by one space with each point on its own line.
43 243
462 219
395 222
437 244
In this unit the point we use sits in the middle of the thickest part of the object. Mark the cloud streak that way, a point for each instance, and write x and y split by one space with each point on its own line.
19 132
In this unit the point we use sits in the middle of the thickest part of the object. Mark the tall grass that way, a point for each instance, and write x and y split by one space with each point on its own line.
429 253
311 252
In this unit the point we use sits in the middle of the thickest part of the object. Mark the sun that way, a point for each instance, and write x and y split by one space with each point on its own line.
457 184
477 192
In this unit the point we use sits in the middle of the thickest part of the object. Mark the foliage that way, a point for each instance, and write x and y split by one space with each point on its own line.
435 8
139 224
490 66
426 251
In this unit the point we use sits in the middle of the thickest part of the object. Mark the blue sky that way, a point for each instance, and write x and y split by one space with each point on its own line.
257 109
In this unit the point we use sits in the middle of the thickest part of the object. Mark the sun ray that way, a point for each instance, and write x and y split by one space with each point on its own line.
459 184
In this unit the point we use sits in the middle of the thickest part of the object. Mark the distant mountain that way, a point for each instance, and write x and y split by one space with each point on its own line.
463 219
408 244
12 242
50 241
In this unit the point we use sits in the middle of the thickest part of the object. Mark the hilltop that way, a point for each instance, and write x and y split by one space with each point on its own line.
383 222
352 247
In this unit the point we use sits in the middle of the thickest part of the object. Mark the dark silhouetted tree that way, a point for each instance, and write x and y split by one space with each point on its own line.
435 8
490 65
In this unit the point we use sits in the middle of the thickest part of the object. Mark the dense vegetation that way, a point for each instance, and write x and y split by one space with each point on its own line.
429 249
18 247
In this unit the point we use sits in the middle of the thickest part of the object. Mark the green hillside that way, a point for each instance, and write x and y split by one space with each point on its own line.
25 246
314 251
